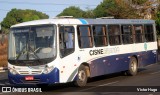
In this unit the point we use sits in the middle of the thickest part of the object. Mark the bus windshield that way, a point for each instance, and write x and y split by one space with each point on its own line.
32 43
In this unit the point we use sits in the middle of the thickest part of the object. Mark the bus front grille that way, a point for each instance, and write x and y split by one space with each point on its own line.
30 72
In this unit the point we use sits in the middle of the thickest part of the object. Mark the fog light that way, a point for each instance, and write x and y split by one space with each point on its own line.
13 71
48 69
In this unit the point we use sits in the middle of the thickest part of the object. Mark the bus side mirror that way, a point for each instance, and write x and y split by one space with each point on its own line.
65 36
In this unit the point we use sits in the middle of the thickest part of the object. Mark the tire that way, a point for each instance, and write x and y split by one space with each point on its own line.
81 77
133 67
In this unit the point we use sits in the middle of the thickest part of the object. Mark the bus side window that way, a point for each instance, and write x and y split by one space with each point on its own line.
114 34
100 35
66 47
126 34
84 37
138 33
149 34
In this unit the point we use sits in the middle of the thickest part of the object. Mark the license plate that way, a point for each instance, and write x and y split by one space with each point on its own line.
29 78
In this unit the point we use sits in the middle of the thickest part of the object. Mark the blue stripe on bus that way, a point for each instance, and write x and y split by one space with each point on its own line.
83 21
118 63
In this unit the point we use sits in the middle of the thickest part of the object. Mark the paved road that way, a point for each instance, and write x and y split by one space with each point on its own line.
115 84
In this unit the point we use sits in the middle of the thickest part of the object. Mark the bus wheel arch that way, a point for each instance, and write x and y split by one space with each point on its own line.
133 66
83 74
136 59
87 67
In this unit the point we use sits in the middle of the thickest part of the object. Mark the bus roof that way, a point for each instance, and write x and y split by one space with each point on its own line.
85 21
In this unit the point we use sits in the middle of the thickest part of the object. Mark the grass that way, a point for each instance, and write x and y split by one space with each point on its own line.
3 53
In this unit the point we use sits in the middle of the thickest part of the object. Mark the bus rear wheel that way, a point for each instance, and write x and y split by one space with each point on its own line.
81 77
133 67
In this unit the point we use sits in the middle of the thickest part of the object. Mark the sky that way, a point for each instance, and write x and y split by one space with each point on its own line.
50 7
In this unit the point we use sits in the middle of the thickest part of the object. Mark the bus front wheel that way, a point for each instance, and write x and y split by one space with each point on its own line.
81 77
133 67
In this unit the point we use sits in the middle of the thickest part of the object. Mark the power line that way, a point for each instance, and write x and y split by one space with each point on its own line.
31 3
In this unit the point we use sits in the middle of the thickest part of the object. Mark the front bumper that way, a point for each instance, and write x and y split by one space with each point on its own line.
50 78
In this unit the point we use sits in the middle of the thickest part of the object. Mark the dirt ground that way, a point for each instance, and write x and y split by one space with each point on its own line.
3 53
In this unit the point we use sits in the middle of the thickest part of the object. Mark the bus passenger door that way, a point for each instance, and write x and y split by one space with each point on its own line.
66 51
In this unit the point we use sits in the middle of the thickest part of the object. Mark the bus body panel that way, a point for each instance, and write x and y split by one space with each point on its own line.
117 63
117 58
68 67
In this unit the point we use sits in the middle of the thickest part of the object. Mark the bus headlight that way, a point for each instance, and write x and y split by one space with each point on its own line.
48 69
13 71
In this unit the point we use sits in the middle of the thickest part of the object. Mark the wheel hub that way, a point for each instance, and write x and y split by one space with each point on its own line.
81 75
134 66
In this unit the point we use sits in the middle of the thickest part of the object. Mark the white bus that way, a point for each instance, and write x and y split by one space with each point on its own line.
64 50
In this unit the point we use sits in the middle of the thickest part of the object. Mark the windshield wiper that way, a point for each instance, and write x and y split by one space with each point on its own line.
20 53
36 56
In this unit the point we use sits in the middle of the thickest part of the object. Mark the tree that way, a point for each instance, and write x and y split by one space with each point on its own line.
146 9
116 8
138 2
89 13
122 9
72 11
100 10
18 16
158 21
